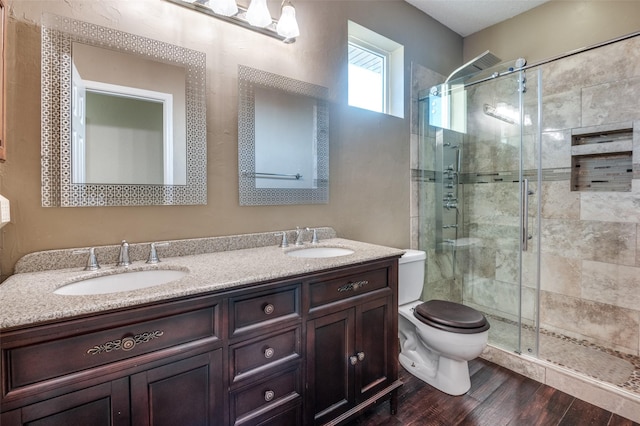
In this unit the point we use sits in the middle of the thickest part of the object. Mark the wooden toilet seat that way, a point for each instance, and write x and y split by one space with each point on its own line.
452 317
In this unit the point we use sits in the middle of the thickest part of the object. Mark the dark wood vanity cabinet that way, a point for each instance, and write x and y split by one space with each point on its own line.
316 349
145 398
160 364
351 345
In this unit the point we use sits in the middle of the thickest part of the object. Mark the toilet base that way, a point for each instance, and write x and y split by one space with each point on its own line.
446 375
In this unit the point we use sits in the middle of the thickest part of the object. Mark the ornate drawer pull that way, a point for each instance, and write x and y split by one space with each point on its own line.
269 308
269 352
353 286
269 395
126 343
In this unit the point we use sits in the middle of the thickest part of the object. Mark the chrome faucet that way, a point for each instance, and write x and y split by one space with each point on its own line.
123 257
314 239
300 235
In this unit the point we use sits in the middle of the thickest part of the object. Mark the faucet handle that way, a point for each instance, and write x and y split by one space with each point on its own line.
153 253
92 260
284 243
300 235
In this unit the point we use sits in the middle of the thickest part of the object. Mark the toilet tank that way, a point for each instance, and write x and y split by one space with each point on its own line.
410 276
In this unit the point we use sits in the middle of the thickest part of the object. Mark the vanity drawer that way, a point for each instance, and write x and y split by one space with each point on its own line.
257 355
333 290
41 361
289 417
261 397
255 310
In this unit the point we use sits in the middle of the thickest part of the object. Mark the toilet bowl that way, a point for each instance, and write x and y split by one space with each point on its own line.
437 337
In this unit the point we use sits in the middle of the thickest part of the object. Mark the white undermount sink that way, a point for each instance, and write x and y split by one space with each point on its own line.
320 252
125 281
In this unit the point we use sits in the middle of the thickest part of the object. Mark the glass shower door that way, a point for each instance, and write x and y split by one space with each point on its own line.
486 210
499 177
481 139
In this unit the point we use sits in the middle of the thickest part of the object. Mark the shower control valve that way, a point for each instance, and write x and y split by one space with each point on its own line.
450 205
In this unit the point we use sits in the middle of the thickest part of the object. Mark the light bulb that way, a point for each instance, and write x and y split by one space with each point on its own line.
258 14
287 25
224 7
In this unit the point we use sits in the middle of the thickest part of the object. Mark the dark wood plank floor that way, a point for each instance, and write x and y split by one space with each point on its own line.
498 397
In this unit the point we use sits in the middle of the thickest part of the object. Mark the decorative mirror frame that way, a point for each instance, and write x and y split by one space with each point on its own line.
58 190
248 79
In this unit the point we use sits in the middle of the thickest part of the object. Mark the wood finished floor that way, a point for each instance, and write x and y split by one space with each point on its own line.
497 397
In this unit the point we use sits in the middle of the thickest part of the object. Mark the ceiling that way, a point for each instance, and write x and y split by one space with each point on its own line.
466 17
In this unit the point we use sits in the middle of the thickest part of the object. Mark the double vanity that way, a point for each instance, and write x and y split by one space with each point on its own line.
248 333
222 331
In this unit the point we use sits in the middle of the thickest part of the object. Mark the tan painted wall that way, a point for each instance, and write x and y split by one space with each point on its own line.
555 28
369 153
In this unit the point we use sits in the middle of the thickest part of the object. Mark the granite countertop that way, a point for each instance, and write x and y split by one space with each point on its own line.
28 298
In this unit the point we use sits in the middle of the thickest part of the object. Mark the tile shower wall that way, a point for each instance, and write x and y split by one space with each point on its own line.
590 241
590 278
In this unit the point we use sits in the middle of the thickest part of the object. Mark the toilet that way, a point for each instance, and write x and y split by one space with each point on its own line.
437 337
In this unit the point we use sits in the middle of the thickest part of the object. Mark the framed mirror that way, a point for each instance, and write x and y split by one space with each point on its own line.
283 142
123 118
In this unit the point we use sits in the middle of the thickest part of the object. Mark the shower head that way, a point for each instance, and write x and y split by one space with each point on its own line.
479 63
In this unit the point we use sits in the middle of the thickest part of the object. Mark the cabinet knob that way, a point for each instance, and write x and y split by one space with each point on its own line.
127 343
269 352
353 359
269 308
269 395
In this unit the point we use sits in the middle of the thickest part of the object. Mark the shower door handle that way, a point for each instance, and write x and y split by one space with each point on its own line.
525 214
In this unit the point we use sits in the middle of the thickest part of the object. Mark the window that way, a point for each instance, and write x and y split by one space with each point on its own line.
376 72
367 84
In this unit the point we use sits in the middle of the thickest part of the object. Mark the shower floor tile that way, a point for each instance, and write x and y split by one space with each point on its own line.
606 365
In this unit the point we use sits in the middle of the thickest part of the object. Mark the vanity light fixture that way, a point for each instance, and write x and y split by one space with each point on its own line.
258 14
287 25
256 17
224 7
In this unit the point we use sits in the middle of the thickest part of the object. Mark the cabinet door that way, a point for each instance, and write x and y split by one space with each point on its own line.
330 341
187 392
102 405
375 367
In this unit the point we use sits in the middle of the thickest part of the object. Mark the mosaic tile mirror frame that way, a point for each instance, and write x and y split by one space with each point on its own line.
58 188
250 82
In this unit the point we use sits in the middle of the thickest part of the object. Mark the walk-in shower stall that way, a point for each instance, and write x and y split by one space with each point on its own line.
528 183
